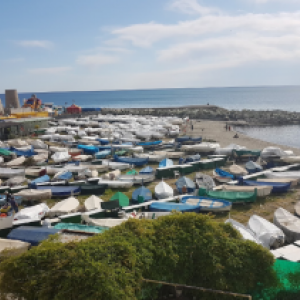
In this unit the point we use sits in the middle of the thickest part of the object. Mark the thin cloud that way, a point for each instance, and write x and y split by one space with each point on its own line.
35 44
96 60
47 71
192 7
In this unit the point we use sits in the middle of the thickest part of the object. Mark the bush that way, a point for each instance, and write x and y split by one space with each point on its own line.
190 249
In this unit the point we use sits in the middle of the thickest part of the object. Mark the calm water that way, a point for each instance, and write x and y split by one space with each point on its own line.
282 135
258 98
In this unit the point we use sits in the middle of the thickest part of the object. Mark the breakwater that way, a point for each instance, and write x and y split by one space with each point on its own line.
216 113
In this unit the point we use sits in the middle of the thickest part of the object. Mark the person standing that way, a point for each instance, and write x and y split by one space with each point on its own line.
14 204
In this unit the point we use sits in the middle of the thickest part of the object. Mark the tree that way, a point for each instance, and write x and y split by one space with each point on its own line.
189 248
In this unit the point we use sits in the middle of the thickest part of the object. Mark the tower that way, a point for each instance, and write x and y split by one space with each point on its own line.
11 100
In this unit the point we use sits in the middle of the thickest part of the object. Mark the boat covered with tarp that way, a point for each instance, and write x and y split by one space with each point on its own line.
41 179
253 167
88 149
61 191
165 163
131 160
168 207
34 194
206 204
234 197
146 171
276 187
64 207
185 182
141 195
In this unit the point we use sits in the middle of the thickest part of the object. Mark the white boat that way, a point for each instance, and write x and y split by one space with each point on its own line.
262 191
208 205
8 173
82 157
58 149
246 233
286 175
64 207
203 147
38 144
293 182
34 171
151 157
115 184
35 195
291 159
12 247
60 157
163 190
33 212
237 170
17 143
53 170
92 203
102 222
269 235
137 179
169 154
16 162
288 223
115 165
297 209
5 224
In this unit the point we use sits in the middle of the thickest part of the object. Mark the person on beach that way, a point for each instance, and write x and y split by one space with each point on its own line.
229 128
236 136
226 126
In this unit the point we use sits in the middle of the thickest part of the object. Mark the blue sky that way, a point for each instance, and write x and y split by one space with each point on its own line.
135 44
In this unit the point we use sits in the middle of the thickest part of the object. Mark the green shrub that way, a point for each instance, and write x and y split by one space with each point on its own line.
190 249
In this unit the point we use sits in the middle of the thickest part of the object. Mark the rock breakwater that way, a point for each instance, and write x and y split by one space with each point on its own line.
215 113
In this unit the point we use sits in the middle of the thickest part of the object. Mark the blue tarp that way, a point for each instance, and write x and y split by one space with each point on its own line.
64 176
88 149
32 235
166 163
182 139
61 190
184 181
192 158
168 207
223 173
196 139
27 153
131 161
103 148
253 167
102 154
41 179
277 187
147 170
149 143
225 203
143 192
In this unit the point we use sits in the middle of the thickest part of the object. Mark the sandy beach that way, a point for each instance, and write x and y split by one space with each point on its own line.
215 130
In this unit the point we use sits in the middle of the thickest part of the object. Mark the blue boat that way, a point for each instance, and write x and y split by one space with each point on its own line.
31 234
223 173
182 139
67 175
188 183
192 158
196 139
90 150
102 154
166 163
146 171
103 148
149 144
168 207
141 194
103 142
207 204
41 179
131 160
253 167
276 186
27 153
61 191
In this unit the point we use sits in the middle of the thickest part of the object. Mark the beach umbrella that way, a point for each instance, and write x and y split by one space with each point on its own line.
122 198
184 181
141 194
166 163
147 170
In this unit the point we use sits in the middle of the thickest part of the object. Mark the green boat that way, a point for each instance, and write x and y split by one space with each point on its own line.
80 228
93 189
71 218
246 153
206 164
132 172
234 197
121 152
4 189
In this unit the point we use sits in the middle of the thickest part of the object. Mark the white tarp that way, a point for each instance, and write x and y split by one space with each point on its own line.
93 202
32 194
289 224
64 207
60 156
237 170
270 235
33 212
163 190
103 222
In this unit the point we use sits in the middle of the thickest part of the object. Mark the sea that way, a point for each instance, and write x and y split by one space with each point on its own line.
234 98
